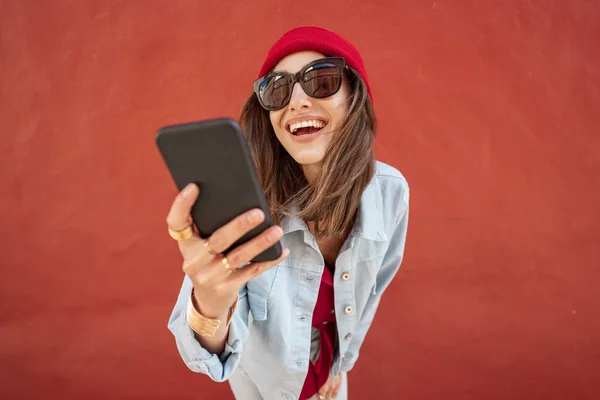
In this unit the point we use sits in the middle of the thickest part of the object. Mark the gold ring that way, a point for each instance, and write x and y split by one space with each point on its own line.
226 265
183 234
208 248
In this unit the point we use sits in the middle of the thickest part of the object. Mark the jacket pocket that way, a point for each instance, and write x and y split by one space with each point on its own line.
258 306
259 291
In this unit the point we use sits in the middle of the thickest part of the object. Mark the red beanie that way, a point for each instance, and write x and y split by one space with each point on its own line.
310 38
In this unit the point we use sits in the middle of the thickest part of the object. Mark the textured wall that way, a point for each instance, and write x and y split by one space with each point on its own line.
489 108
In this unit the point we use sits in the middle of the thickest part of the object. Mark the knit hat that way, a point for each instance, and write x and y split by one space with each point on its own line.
310 38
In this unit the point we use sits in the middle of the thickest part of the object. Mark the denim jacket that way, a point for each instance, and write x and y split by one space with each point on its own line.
270 334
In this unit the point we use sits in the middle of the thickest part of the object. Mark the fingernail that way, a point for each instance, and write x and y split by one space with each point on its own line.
255 216
285 252
274 234
188 190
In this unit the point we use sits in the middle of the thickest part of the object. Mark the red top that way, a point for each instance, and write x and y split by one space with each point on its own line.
323 320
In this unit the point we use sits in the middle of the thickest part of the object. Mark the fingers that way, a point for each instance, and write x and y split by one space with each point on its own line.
206 269
329 393
243 275
337 384
229 233
323 393
179 215
331 388
179 218
246 252
220 265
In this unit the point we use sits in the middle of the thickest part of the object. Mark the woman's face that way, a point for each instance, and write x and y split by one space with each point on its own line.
308 146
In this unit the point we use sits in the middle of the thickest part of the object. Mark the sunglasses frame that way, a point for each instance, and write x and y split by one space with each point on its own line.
291 79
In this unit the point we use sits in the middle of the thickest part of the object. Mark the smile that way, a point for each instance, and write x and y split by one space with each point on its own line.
307 127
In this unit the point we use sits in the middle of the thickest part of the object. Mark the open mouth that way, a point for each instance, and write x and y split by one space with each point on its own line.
306 127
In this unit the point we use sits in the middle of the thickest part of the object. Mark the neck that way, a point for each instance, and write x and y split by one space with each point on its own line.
311 172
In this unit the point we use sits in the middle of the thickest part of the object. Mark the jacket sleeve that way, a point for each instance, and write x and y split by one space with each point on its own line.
391 263
196 357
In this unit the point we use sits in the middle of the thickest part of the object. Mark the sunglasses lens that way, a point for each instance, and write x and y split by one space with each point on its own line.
322 80
274 91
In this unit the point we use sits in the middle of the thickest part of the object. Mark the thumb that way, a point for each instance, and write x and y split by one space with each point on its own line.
322 394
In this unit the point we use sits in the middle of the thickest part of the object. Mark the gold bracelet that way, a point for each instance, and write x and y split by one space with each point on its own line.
202 325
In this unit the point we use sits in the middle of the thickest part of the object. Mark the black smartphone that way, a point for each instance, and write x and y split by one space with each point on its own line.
214 155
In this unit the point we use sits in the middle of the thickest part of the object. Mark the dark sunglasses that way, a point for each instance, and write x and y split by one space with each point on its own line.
321 78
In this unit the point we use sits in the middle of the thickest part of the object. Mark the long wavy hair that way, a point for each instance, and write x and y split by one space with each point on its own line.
332 200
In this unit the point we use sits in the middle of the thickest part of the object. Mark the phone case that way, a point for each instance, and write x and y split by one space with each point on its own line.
214 155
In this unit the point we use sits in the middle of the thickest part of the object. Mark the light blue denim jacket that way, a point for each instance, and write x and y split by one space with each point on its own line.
270 334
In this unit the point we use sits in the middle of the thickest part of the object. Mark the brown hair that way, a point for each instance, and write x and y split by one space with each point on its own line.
348 166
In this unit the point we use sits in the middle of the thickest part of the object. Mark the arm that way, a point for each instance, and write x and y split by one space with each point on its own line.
389 268
225 347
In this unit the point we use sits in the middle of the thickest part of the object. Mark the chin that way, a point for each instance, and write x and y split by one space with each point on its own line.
308 159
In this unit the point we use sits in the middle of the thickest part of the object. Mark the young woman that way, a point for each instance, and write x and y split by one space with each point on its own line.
292 328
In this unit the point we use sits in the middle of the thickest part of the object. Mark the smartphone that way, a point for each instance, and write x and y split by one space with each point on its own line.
214 155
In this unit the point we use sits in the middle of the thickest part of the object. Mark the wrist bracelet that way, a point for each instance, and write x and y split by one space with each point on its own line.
202 325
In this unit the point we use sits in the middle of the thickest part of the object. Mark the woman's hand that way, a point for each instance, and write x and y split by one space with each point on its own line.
217 281
331 388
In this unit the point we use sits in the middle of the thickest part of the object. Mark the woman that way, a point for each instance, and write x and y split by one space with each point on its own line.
292 328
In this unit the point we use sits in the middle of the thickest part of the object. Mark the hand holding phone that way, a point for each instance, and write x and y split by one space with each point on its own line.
220 192
215 288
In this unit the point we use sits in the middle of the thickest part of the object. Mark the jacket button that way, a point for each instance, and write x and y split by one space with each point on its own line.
348 336
348 310
345 276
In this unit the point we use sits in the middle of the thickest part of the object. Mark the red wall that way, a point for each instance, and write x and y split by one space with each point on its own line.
491 109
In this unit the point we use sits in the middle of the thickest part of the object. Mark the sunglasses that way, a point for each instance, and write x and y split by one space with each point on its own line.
320 78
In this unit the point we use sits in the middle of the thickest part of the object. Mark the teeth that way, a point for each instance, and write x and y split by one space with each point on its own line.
305 124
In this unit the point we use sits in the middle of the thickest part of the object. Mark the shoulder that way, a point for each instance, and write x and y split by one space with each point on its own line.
386 172
393 187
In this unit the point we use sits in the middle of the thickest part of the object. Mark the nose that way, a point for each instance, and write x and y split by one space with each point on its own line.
299 100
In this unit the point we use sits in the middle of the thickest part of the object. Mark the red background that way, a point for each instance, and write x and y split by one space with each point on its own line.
490 109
